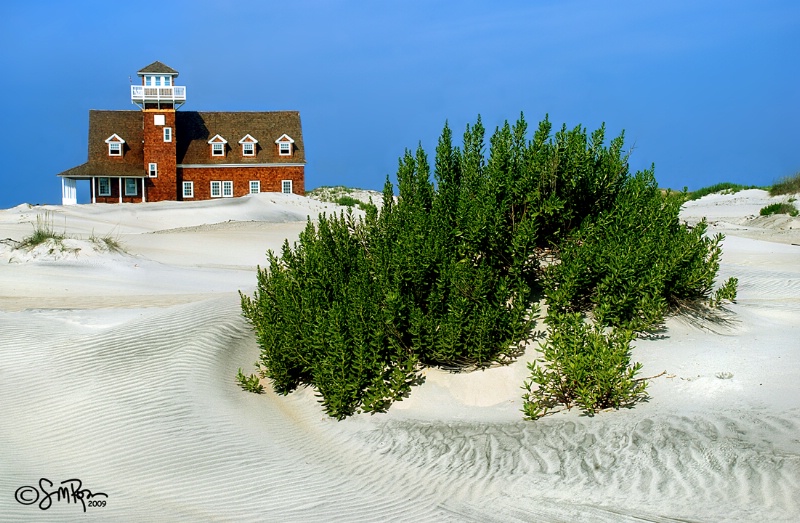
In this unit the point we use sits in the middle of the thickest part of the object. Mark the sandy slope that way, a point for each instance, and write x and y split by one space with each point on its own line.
117 369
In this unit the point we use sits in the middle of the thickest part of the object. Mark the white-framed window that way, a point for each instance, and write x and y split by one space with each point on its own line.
131 187
248 149
158 81
285 149
148 81
159 119
286 186
188 189
152 170
167 134
114 145
216 189
255 187
227 189
217 149
167 80
104 187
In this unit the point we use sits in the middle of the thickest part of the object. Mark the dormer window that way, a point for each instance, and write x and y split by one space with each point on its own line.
114 145
218 145
248 145
285 145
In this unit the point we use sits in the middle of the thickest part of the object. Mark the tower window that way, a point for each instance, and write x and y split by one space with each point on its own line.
217 149
167 134
158 81
114 149
285 149
148 81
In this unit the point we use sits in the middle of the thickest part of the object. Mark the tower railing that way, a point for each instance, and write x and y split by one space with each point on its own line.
141 94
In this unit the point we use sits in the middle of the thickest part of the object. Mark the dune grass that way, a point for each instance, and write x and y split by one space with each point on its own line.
787 185
724 187
42 231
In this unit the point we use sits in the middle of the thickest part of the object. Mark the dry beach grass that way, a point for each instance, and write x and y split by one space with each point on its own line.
118 368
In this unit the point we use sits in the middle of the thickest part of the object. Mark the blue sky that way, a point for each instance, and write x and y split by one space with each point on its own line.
708 91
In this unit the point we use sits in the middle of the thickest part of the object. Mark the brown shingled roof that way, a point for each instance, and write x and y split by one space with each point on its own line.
195 129
192 132
158 68
102 124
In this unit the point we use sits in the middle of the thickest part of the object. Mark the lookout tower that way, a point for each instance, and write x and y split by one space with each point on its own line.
158 97
158 89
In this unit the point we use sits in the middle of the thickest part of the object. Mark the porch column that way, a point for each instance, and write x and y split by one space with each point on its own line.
144 196
119 180
94 198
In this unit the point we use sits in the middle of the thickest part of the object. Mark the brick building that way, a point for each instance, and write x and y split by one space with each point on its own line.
159 153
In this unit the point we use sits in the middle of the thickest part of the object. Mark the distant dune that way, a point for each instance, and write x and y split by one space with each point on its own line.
117 368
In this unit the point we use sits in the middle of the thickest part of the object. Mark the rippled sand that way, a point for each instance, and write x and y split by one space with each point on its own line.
118 369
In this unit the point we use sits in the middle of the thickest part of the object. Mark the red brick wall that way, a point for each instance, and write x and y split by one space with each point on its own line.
156 150
270 178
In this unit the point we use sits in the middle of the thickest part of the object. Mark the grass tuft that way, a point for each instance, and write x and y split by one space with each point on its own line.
788 185
42 231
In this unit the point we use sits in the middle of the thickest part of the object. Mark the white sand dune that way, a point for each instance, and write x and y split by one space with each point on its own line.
118 369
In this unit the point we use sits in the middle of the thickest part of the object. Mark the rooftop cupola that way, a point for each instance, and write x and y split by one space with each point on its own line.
158 89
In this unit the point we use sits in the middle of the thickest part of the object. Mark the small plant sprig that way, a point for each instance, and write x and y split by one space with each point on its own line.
249 383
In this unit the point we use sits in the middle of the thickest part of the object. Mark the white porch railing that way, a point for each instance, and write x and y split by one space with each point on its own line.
141 93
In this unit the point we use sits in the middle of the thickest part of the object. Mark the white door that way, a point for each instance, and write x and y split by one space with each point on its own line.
69 192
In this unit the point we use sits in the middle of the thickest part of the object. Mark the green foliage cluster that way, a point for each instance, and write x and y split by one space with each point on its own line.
724 187
788 185
349 201
451 272
779 208
634 261
249 383
586 366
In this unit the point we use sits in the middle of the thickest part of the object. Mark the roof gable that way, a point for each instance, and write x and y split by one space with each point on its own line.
158 68
285 138
248 139
114 138
218 139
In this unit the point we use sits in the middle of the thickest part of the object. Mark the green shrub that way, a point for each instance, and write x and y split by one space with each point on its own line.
634 261
788 185
779 208
449 274
347 201
583 366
